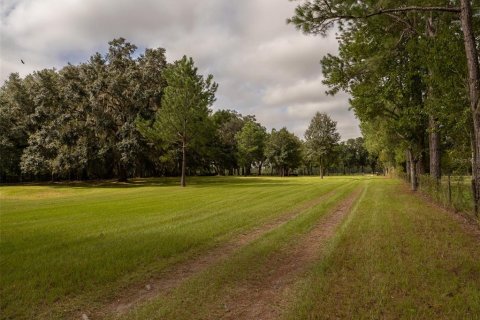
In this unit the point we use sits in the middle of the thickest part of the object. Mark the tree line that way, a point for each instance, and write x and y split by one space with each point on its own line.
122 115
412 72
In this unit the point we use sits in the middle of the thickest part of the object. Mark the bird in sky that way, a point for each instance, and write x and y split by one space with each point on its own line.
22 61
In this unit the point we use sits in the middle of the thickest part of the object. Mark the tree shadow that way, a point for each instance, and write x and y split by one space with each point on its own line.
192 182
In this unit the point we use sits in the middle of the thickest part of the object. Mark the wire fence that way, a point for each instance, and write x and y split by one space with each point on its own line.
452 191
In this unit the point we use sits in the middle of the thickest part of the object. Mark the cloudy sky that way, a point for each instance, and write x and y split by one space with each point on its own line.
263 66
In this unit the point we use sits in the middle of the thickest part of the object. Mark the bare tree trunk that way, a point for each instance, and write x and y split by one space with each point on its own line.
408 165
184 163
434 148
413 170
474 90
433 132
321 171
260 168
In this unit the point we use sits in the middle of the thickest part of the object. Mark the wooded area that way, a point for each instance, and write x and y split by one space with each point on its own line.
412 72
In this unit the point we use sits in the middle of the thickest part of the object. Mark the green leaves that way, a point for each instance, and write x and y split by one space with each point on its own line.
283 150
182 121
81 121
251 143
401 63
185 103
321 138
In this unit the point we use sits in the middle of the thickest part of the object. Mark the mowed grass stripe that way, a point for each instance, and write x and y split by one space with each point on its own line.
172 277
204 296
397 257
224 249
62 253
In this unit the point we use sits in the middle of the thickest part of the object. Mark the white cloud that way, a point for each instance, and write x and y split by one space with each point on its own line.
263 66
304 90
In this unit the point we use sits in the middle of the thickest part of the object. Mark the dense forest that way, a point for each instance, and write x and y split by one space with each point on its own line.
116 116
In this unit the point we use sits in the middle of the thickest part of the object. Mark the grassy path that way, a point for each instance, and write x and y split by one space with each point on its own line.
396 257
267 298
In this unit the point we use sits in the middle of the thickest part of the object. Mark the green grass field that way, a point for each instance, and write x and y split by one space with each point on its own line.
86 248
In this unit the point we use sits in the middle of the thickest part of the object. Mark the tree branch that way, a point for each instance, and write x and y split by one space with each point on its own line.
396 10
413 8
404 21
318 19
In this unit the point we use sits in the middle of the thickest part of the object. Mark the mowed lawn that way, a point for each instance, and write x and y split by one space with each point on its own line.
71 249
68 247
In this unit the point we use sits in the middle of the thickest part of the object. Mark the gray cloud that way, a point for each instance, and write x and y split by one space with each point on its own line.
263 66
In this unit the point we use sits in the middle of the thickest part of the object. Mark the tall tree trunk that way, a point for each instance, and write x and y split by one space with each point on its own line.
260 168
433 130
321 171
434 148
474 91
408 164
413 170
184 163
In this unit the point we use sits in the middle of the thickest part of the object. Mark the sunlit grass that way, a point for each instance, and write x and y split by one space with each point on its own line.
208 295
71 246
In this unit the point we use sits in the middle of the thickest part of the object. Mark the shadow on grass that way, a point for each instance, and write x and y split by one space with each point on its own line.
193 182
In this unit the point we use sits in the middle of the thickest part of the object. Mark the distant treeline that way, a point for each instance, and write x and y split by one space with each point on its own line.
116 116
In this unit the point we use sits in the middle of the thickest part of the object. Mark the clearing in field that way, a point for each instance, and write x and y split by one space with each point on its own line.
234 248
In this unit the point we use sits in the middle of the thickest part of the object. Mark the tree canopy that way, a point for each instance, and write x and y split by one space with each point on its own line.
321 138
123 114
183 118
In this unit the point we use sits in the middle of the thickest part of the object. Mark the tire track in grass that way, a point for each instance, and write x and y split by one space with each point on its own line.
267 300
172 277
